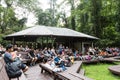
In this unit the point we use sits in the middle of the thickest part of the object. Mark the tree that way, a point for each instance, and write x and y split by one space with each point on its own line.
53 11
72 17
99 18
117 17
7 14
50 16
8 20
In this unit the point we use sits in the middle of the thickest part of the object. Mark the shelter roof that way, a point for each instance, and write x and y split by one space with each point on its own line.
39 30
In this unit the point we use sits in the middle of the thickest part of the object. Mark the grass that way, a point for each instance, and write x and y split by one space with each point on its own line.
100 71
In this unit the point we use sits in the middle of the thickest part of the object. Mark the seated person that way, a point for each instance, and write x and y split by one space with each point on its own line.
71 58
39 55
9 59
68 61
59 61
88 56
48 65
46 53
33 57
103 53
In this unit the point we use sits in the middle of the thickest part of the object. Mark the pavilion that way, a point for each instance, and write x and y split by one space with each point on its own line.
56 34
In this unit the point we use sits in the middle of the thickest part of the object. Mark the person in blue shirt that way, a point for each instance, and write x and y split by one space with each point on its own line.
9 59
7 56
58 61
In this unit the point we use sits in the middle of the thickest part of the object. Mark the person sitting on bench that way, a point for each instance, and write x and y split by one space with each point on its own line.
9 59
33 57
59 61
48 62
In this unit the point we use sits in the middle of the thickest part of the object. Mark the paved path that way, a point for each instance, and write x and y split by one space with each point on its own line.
34 73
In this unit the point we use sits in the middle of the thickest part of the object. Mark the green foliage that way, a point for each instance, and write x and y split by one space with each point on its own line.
99 18
45 18
1 39
9 23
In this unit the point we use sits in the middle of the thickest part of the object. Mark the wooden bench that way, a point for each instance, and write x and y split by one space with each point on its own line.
58 75
82 72
74 70
115 69
70 74
90 61
111 59
3 74
43 68
24 56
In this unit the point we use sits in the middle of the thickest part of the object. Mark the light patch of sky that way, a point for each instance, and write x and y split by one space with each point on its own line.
3 3
20 13
44 4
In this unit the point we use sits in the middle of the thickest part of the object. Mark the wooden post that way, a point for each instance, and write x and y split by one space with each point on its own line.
92 45
42 43
47 41
13 40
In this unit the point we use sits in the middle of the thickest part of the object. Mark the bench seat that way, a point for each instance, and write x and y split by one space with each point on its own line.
72 73
82 72
3 74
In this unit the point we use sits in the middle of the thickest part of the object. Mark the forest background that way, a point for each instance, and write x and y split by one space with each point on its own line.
99 18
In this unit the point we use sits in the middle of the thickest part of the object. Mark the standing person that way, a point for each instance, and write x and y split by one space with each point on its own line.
9 59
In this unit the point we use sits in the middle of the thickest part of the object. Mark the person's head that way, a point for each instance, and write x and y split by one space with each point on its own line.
45 48
47 60
9 48
58 55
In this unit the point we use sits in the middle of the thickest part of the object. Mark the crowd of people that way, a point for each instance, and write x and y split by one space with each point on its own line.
55 59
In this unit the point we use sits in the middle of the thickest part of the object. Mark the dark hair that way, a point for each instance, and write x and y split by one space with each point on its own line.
45 60
9 46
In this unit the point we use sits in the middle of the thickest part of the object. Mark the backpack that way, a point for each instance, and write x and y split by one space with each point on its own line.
13 71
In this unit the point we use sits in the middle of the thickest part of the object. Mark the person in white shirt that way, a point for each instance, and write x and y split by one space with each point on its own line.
48 64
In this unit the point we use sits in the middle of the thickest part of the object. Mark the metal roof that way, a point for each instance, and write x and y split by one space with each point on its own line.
40 30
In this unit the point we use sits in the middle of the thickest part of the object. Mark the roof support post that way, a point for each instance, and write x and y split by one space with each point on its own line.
82 45
69 43
42 43
47 42
92 45
13 40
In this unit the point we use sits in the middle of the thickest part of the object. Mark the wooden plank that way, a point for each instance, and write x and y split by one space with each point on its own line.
3 73
81 76
66 75
75 67
82 72
115 69
70 74
90 61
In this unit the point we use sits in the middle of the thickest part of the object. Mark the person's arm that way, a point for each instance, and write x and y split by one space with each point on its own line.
29 55
10 58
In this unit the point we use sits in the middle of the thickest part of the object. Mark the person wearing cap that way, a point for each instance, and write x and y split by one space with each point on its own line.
9 59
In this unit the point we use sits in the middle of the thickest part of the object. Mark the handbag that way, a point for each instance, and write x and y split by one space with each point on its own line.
13 71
